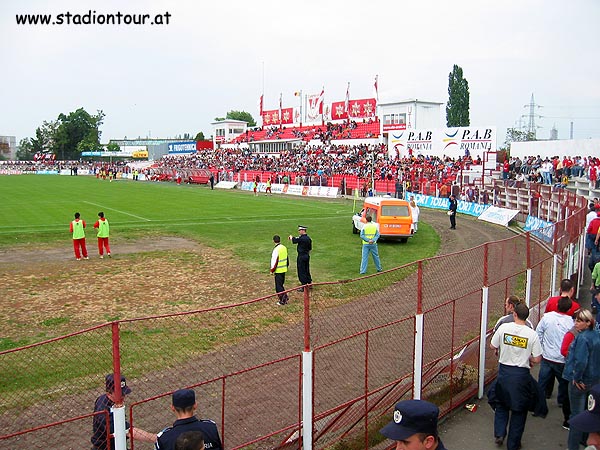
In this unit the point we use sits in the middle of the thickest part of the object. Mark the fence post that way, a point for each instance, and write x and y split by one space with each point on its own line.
580 268
529 272
418 360
483 323
570 264
119 426
307 378
482 339
553 277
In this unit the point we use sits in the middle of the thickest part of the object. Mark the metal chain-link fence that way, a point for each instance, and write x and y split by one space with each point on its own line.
245 360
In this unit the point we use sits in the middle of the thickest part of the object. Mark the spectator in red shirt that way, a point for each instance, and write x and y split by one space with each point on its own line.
566 290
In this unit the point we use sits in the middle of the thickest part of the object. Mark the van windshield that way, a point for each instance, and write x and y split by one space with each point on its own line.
395 210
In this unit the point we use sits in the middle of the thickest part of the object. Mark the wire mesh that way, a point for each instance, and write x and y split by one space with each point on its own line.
244 360
62 372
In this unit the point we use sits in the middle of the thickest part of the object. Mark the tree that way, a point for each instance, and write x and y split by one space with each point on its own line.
516 135
47 135
25 151
242 115
199 136
40 143
77 132
239 115
113 147
457 109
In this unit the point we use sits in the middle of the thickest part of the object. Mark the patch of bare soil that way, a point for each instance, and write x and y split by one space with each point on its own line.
48 288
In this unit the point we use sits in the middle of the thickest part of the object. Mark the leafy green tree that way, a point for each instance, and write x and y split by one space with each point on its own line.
113 147
77 132
242 115
457 109
516 135
239 115
47 135
25 151
40 142
199 136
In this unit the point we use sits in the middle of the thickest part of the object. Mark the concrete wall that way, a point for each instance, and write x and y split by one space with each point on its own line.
574 147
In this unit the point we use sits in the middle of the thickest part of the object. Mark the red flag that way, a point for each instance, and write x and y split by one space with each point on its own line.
261 104
321 98
376 90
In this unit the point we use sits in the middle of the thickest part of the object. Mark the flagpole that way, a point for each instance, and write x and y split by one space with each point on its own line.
323 106
377 109
300 108
262 98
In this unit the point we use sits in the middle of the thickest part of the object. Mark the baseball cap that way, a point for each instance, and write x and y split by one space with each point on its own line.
110 384
184 398
589 421
412 417
301 227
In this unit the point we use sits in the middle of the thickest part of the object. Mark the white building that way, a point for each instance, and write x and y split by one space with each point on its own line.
8 148
228 129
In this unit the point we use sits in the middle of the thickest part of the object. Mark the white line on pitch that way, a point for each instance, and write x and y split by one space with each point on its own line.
119 211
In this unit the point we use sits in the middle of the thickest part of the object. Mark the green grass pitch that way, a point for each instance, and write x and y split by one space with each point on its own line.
37 209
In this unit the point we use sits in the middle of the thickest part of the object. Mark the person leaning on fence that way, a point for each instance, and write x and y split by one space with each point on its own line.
414 426
105 402
184 405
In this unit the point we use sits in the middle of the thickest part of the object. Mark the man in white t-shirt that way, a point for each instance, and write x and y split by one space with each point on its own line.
519 348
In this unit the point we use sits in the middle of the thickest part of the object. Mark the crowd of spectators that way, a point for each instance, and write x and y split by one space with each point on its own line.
325 133
553 171
56 165
365 161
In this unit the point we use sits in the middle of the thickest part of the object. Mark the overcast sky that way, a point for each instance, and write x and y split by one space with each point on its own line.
212 57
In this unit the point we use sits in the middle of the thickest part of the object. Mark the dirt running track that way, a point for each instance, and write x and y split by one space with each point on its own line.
256 412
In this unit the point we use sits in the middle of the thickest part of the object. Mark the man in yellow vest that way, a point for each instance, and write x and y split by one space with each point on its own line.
103 233
369 235
77 228
279 266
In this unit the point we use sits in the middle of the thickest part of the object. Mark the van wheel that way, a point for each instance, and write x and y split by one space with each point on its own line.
404 240
354 229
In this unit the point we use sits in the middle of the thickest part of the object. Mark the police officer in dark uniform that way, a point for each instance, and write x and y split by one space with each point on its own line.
414 426
103 425
184 405
452 207
303 261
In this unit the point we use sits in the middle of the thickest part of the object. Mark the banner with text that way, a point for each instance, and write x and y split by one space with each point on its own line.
540 228
453 142
472 209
